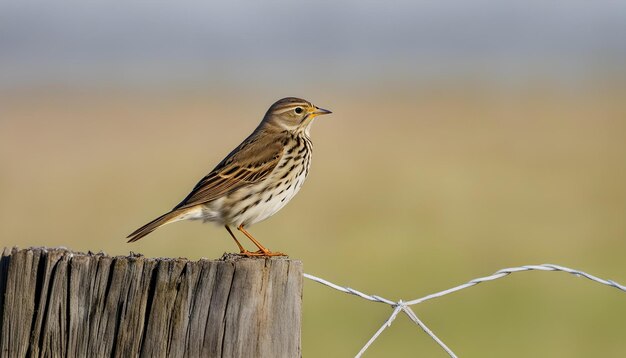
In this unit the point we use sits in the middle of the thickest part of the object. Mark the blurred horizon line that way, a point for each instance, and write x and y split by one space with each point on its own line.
607 78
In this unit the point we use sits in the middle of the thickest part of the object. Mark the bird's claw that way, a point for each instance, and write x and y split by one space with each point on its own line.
260 253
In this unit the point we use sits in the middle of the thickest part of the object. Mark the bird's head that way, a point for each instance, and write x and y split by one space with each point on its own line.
293 114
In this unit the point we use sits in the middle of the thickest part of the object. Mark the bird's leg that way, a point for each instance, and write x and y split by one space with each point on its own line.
262 250
241 249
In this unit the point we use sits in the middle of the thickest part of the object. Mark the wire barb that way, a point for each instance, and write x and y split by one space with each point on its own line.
402 306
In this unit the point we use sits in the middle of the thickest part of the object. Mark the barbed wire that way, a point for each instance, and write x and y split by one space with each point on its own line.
404 306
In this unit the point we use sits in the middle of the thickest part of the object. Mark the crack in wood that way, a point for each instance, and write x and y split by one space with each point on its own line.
58 302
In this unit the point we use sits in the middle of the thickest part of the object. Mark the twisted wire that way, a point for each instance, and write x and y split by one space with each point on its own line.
403 306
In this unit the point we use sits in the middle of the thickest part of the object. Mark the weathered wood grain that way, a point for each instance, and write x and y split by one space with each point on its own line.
54 302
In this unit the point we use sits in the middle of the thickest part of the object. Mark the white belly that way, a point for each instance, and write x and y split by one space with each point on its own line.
270 204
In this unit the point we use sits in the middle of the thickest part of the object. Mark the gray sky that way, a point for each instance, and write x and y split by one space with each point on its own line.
187 41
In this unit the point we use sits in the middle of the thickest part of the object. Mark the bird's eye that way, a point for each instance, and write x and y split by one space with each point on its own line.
298 110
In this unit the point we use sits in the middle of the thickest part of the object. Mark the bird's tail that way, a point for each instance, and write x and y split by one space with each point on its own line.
153 225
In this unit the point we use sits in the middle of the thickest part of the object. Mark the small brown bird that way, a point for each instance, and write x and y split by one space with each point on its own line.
256 179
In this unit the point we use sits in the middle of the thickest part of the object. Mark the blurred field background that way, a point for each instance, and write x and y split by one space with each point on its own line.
465 139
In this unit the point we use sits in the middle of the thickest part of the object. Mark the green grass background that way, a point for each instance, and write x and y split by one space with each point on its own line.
412 190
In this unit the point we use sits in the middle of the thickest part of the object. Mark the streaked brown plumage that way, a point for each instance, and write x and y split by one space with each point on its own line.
256 179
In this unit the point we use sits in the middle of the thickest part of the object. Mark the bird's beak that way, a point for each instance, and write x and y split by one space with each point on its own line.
319 111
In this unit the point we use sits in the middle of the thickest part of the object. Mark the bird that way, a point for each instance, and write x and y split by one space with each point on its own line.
257 179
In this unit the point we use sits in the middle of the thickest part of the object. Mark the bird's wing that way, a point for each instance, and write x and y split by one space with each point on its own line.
251 162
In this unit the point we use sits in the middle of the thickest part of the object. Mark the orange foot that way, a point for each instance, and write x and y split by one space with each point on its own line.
260 253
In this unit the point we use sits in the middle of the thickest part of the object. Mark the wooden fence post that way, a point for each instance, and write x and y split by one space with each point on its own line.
54 302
